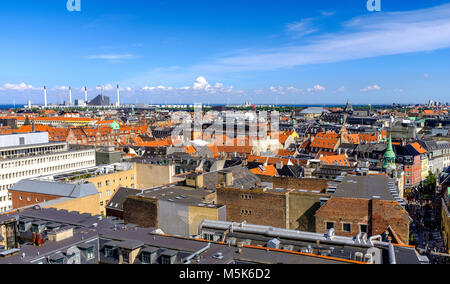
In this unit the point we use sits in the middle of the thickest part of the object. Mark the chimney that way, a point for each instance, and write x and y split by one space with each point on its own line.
70 96
118 96
85 95
225 178
45 96
279 165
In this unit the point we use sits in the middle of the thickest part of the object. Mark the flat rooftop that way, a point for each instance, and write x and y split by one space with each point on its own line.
367 187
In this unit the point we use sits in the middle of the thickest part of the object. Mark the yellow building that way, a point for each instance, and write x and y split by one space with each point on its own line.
108 183
86 204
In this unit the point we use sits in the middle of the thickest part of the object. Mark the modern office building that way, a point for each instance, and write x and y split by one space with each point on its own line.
31 155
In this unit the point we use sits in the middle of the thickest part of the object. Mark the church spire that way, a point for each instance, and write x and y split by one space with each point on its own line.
389 155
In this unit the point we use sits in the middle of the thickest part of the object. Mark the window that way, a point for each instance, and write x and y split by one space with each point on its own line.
58 261
347 227
110 252
330 225
146 258
99 185
107 182
125 257
363 228
90 253
208 237
165 259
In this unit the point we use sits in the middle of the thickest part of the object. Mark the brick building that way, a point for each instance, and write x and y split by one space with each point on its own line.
350 216
258 206
287 203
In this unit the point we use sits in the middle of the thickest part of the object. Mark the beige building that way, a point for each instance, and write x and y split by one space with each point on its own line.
108 183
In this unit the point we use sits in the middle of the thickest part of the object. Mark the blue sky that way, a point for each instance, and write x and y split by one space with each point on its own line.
285 52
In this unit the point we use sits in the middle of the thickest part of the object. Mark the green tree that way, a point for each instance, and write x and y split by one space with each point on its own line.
27 121
430 183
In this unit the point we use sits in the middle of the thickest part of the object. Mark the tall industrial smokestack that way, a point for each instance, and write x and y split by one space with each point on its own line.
70 96
85 95
45 96
118 96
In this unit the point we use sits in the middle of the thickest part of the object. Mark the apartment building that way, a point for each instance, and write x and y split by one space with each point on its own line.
31 155
107 179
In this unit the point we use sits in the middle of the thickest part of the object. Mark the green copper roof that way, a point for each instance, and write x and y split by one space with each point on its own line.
115 125
389 155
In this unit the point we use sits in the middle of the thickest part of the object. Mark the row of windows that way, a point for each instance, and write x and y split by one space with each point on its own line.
108 182
41 160
46 169
6 208
246 197
246 212
29 199
33 150
347 227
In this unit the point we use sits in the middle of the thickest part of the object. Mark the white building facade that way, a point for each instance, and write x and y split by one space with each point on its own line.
34 160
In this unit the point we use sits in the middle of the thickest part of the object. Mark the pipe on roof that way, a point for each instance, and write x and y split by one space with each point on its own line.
188 259
392 259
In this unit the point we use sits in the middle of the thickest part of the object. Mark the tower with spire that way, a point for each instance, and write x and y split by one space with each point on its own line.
389 156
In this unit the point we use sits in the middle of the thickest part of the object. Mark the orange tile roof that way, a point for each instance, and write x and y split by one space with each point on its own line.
368 137
338 160
54 134
214 150
284 136
283 152
268 171
418 148
190 150
235 149
325 140
157 143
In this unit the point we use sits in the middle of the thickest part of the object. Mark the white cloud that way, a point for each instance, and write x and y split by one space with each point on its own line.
301 28
426 75
371 88
200 85
20 87
107 87
328 13
110 57
341 89
368 36
61 88
284 90
316 88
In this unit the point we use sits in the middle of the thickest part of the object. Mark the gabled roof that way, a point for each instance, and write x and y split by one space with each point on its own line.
325 140
339 160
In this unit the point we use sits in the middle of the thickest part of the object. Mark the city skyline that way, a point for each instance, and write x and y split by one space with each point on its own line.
227 53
